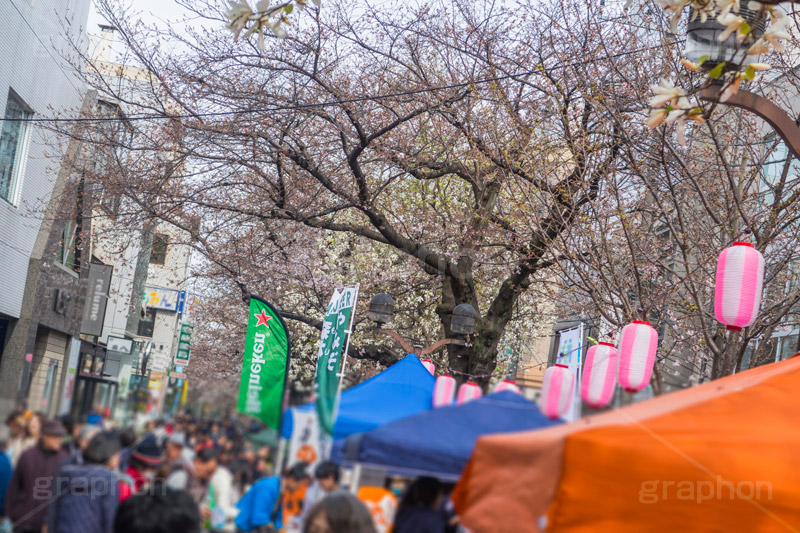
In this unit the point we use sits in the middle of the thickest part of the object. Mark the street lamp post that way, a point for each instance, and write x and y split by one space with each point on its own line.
381 310
703 46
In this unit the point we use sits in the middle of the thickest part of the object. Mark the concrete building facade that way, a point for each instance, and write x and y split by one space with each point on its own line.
41 289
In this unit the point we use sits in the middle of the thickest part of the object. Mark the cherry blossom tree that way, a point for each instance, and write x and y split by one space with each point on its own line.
436 152
672 206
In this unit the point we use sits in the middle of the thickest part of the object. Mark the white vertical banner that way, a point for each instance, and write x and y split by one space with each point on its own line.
570 348
305 444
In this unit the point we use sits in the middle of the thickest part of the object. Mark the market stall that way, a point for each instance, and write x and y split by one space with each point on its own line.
722 453
439 442
403 389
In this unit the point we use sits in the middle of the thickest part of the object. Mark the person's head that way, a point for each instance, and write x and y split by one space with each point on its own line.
249 455
71 426
162 510
33 428
341 512
327 474
103 449
87 433
206 461
146 457
52 434
424 492
174 446
150 425
16 424
127 437
296 476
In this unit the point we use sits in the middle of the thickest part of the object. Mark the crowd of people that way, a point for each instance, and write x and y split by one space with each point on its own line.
63 476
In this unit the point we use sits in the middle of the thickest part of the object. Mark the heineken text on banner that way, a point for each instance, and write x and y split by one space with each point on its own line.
331 345
266 355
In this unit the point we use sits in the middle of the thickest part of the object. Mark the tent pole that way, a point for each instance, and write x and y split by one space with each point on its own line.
579 373
278 468
356 479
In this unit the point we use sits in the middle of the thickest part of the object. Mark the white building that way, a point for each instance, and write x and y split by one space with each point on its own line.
151 267
35 82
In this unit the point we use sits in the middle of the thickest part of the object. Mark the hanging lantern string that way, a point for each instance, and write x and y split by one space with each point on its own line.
473 377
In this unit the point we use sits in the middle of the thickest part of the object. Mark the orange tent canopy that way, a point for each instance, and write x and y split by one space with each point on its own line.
722 456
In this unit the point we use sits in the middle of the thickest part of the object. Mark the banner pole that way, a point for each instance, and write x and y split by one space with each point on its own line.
344 355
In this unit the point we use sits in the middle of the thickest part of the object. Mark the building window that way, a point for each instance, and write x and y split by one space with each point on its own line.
68 254
158 254
147 324
13 143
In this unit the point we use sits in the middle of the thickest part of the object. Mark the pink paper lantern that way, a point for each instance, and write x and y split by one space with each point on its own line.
428 364
599 375
468 391
444 390
507 384
637 355
740 280
558 388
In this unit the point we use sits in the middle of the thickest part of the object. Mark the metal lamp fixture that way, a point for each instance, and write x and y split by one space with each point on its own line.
702 41
463 322
381 308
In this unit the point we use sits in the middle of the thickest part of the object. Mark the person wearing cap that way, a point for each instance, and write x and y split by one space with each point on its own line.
32 483
173 448
145 460
87 494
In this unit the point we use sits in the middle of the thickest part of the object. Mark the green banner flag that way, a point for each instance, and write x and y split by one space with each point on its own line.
266 358
332 343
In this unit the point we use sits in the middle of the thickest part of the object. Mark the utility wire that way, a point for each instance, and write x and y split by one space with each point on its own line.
359 99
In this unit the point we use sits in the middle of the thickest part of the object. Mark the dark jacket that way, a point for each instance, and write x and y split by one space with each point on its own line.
31 487
85 500
419 520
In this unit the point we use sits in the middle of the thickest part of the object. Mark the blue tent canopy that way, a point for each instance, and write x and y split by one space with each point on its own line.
439 442
404 389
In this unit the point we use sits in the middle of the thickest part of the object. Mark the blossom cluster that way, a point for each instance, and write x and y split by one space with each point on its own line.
264 17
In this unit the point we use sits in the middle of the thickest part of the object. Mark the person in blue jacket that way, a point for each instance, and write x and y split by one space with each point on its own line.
5 478
262 504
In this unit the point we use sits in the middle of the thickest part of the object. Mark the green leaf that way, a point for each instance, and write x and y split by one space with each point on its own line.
716 72
702 60
288 9
744 29
749 74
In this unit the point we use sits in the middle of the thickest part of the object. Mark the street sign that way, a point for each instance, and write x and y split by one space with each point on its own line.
176 375
184 345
